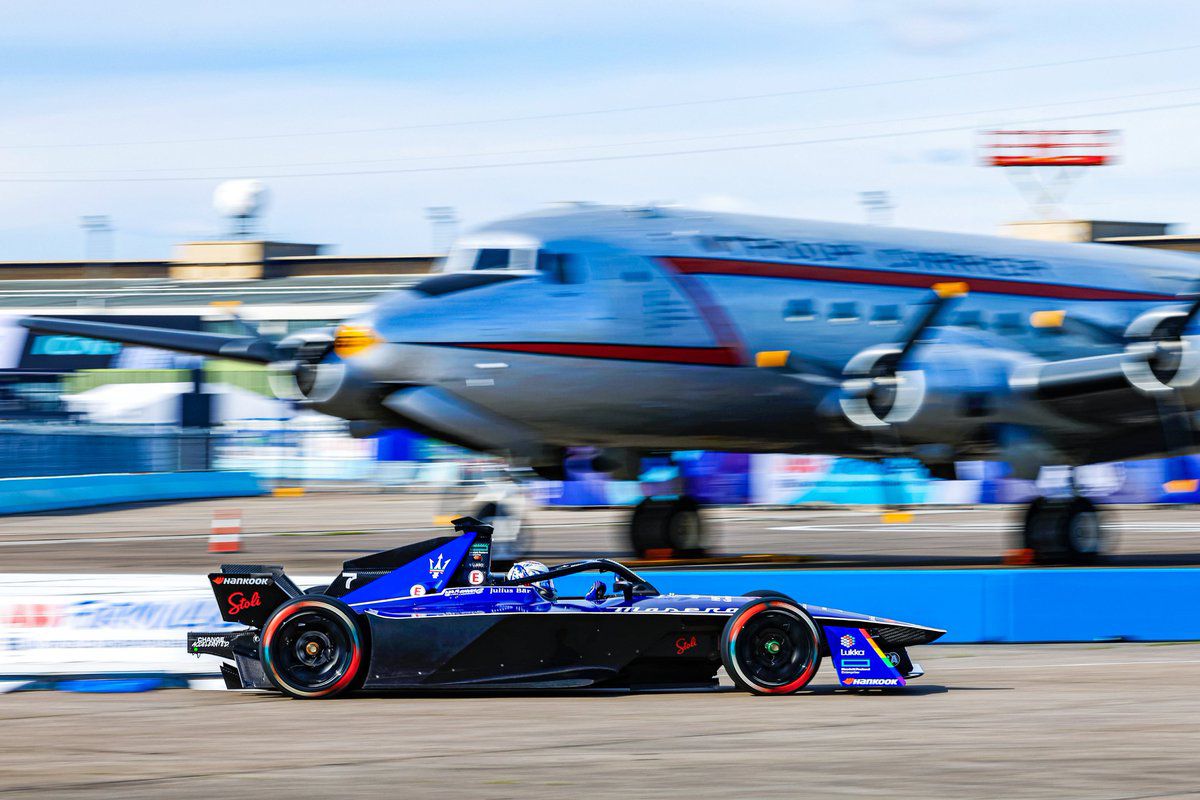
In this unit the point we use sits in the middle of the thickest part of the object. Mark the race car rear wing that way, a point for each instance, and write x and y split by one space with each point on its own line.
248 593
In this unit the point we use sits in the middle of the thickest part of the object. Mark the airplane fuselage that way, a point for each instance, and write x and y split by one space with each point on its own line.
644 328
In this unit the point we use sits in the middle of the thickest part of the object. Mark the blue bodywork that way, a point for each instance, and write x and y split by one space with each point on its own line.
419 589
433 614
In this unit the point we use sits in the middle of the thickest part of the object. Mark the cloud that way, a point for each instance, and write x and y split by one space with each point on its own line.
940 27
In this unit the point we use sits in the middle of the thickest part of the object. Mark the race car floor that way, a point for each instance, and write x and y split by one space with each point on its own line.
1103 722
314 533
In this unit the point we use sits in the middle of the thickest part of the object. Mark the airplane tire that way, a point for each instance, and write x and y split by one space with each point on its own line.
685 531
647 527
1041 530
1065 531
1084 536
506 549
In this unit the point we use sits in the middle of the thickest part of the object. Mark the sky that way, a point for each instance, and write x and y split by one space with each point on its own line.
360 115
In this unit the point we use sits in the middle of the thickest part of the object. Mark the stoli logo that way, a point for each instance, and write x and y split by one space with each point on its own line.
682 645
238 602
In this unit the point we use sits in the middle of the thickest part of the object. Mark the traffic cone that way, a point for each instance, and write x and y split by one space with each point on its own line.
226 535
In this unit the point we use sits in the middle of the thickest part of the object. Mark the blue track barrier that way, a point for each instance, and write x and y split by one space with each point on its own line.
27 495
983 605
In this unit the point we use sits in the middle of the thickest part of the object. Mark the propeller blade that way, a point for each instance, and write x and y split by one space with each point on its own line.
944 295
220 345
1178 437
1174 327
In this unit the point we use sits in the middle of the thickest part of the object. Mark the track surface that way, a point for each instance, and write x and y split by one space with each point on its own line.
1020 721
303 533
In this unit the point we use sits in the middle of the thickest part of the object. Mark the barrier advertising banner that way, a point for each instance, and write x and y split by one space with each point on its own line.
104 624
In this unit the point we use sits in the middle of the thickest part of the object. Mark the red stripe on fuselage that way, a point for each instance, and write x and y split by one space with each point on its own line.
916 280
703 356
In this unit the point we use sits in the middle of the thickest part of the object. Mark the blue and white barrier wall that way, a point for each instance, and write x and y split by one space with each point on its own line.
985 605
103 625
27 495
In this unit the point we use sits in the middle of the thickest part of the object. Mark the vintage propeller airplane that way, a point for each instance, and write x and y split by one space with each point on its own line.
646 330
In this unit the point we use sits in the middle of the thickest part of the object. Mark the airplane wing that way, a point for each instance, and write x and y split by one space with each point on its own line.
242 348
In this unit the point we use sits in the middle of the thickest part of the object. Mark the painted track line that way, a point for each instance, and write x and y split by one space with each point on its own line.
163 537
1079 665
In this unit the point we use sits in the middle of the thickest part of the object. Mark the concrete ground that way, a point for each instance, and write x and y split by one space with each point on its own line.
1017 721
314 533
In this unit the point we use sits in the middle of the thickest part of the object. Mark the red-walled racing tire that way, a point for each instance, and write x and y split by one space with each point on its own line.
313 647
771 646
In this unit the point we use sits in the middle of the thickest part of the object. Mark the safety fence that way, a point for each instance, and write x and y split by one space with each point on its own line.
318 451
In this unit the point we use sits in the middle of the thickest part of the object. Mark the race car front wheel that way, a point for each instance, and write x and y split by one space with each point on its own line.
313 647
771 646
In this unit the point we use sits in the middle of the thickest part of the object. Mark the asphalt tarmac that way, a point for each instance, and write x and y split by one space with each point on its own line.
314 533
1103 722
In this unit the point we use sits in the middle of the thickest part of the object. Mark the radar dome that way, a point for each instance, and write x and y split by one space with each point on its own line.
240 198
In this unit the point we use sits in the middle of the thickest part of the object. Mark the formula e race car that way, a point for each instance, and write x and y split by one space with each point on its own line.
432 615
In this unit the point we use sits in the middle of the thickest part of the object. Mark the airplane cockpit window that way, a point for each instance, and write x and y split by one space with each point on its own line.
491 258
510 256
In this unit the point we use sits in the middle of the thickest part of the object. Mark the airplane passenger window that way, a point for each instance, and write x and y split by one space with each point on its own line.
799 310
1008 322
886 314
561 268
844 312
969 319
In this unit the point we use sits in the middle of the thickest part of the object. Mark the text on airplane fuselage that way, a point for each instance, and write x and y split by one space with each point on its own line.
891 257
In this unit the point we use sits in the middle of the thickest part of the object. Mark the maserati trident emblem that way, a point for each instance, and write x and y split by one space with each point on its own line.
436 568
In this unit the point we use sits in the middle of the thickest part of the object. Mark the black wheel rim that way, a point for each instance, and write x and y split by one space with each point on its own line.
312 650
774 648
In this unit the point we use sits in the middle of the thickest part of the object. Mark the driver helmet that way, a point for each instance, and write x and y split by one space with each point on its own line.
523 569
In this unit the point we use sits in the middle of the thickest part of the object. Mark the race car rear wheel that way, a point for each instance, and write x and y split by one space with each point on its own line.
313 647
771 646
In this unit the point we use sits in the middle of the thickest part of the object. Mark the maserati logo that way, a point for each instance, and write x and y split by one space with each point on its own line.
436 568
847 641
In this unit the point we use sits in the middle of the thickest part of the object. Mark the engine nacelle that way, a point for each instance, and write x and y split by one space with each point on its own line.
300 377
1159 358
942 393
315 378
875 394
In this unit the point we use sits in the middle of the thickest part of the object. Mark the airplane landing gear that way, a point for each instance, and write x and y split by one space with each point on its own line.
674 525
1064 530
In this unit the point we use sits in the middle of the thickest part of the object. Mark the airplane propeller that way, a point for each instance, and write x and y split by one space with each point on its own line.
294 362
876 389
253 348
1162 362
1159 358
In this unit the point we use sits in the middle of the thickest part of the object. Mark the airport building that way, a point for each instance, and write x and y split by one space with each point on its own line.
274 287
